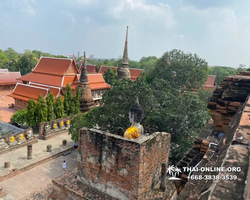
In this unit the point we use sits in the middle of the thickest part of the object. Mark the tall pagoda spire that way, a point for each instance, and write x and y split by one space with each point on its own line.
125 53
124 72
86 101
84 77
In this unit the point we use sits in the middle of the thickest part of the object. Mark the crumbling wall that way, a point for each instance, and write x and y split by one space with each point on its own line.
120 167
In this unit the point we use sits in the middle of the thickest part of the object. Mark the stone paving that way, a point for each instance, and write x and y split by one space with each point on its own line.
18 158
35 184
5 111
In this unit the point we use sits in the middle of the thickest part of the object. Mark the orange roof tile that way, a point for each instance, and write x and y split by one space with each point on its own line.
43 79
96 82
210 81
9 78
98 86
68 79
91 69
55 91
55 66
23 91
104 68
134 73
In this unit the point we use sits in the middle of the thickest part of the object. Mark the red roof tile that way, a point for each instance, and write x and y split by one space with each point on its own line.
96 82
68 79
210 81
104 68
134 73
91 69
55 91
55 66
25 92
9 78
42 79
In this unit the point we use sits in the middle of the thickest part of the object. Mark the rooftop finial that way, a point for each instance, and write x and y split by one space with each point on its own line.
84 77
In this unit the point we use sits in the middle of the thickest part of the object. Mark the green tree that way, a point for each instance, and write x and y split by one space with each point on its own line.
41 110
11 54
59 107
191 71
51 107
67 100
77 123
20 117
3 60
26 62
148 63
220 72
110 76
31 115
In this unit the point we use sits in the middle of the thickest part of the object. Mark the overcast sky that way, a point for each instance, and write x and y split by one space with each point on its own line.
217 30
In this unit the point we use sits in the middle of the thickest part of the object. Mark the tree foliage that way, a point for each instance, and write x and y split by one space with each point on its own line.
67 100
221 72
50 104
59 108
110 76
165 107
41 110
20 117
190 69
31 115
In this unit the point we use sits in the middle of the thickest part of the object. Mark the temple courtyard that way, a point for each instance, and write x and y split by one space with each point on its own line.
5 111
29 179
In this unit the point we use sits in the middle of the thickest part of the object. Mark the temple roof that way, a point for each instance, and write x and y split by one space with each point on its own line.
96 82
91 69
210 81
47 79
25 92
9 78
53 66
104 68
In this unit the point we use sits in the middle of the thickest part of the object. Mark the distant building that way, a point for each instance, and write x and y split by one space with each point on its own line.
92 56
79 54
51 75
8 79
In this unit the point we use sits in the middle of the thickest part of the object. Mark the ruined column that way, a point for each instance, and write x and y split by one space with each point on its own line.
163 177
6 164
64 142
49 148
29 151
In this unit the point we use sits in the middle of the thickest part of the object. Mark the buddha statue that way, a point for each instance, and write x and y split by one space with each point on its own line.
3 144
135 117
29 134
12 141
20 138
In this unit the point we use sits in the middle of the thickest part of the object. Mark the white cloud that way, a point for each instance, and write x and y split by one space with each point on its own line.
227 35
141 13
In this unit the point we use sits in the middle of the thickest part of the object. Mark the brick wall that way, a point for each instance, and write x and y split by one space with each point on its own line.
44 135
122 168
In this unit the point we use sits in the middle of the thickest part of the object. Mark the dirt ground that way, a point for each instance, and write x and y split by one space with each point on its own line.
5 111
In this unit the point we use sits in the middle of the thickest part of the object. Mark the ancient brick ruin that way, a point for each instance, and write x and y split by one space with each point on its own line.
222 143
227 98
120 168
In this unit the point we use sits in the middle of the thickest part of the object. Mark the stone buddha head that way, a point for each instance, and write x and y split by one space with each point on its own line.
135 113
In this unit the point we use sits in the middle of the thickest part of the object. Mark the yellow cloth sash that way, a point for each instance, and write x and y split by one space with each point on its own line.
132 133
